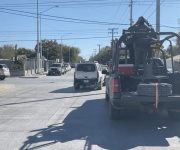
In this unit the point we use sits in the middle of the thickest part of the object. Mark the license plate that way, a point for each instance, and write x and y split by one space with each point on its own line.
86 81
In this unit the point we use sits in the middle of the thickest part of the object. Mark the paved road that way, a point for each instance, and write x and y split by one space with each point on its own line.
46 113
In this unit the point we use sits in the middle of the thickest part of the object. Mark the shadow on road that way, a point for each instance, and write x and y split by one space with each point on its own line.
71 90
49 99
91 124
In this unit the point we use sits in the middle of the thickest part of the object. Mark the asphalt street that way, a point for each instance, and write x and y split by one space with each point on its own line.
46 113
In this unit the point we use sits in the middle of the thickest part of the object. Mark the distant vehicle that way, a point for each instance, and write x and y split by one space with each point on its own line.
67 67
72 65
56 69
105 67
5 69
88 74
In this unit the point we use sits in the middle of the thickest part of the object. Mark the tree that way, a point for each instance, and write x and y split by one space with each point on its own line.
103 56
27 52
70 53
7 52
52 51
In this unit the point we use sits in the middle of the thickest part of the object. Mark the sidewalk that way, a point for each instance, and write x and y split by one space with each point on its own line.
34 75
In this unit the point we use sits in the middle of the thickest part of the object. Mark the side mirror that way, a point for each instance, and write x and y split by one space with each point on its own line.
105 72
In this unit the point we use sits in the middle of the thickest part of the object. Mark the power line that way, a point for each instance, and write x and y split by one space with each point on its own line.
148 8
65 39
155 10
58 18
89 3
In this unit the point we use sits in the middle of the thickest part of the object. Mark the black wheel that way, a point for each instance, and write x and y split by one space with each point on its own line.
113 112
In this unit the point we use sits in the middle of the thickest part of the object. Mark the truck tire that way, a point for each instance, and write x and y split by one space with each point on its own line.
113 112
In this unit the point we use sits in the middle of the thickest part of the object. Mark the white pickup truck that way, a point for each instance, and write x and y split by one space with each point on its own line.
88 74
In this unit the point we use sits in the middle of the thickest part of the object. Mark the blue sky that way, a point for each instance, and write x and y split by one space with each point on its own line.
18 20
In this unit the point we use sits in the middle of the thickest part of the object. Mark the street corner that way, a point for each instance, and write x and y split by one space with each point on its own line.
4 88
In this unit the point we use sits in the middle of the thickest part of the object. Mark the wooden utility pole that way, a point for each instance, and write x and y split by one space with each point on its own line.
99 45
113 32
131 11
158 16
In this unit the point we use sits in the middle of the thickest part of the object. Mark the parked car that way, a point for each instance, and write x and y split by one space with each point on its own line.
105 67
67 67
5 69
56 69
88 74
73 65
2 76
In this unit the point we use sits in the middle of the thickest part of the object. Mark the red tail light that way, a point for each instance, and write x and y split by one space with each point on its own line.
115 86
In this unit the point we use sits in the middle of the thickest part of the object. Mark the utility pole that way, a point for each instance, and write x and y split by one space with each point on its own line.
99 45
131 11
61 59
113 32
158 16
69 54
37 53
15 52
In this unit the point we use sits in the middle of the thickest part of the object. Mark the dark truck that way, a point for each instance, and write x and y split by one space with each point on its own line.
138 77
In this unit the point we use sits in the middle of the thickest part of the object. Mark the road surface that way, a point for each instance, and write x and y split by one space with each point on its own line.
46 113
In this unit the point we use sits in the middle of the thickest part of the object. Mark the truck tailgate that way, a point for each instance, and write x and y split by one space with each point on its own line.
134 97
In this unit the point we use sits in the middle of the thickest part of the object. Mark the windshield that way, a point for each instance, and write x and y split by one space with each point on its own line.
86 67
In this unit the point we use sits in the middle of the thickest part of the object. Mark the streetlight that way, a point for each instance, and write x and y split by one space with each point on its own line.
39 50
61 50
40 14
